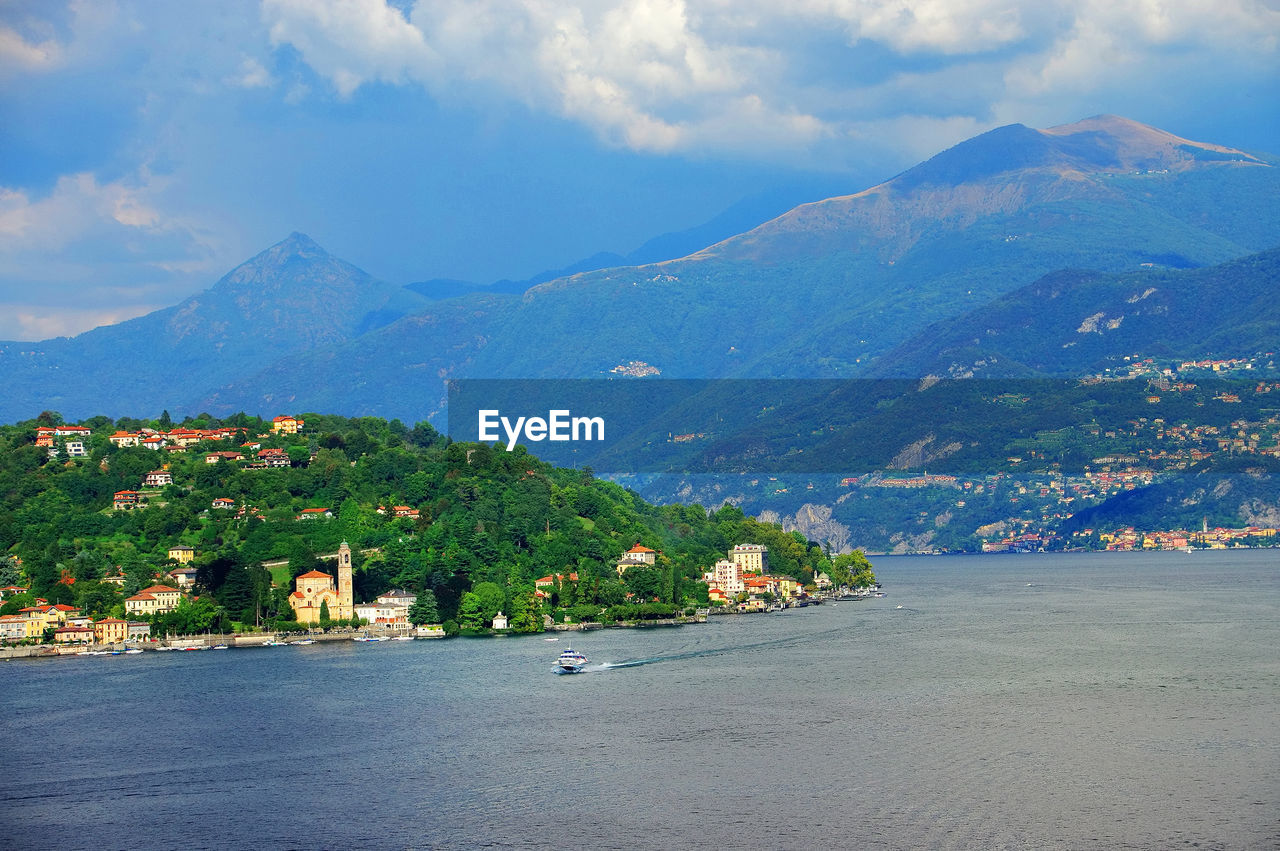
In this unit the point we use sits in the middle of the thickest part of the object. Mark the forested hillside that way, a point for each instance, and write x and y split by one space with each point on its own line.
488 523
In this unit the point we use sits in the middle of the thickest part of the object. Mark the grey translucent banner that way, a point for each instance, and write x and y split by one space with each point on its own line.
852 427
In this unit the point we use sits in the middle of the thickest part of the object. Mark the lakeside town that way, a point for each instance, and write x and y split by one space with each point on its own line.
181 589
138 599
323 607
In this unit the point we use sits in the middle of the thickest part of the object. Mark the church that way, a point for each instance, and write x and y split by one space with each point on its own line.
314 589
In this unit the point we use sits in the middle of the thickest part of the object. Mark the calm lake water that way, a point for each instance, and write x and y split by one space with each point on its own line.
1090 701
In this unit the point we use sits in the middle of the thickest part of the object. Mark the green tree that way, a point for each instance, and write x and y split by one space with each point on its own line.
97 599
10 573
491 598
525 613
471 612
424 609
324 612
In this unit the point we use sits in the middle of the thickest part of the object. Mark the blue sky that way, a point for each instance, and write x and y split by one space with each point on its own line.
148 147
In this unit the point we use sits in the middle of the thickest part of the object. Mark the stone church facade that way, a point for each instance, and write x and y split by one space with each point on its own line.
314 589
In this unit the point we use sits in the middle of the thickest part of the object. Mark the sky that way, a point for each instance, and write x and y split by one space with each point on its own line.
147 147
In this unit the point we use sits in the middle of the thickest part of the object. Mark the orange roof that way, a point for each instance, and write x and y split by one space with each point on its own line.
315 574
159 589
138 596
110 620
639 549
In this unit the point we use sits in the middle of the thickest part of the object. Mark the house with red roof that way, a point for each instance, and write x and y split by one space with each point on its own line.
148 601
157 479
125 438
286 425
637 555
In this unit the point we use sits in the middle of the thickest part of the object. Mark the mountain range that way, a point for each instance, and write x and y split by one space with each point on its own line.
995 251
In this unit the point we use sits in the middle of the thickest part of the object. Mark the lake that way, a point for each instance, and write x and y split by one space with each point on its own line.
1106 701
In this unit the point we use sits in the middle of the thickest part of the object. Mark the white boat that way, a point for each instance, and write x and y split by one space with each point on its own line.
570 662
403 638
132 651
303 642
219 647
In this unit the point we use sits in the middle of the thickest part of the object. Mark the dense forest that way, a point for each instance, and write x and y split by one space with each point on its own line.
488 524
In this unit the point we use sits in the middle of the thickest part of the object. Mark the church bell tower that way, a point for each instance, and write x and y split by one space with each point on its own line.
346 605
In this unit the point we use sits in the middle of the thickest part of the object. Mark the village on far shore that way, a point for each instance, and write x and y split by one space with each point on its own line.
739 583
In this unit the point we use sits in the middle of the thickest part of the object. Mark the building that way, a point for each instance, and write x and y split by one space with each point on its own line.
286 425
154 600
13 627
500 621
125 500
753 558
125 438
398 597
387 612
313 513
314 589
215 457
157 479
224 502
111 630
73 635
636 556
137 631
75 449
727 576
273 457
181 554
184 576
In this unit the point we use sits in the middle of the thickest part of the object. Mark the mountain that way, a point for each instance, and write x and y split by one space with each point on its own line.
828 289
1072 323
292 297
741 216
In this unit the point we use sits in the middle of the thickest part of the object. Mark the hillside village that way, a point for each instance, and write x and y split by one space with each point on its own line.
206 538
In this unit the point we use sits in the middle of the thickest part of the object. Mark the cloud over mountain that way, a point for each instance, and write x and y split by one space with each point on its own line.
662 75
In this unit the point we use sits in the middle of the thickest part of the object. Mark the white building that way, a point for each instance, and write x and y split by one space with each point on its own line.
727 576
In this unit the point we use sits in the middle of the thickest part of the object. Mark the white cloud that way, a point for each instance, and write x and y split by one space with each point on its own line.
721 76
41 322
251 75
89 252
18 54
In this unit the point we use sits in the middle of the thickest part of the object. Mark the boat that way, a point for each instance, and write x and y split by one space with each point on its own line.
303 642
132 651
219 647
403 638
570 662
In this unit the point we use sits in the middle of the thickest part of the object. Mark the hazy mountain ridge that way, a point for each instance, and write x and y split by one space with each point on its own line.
292 297
1074 323
824 290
